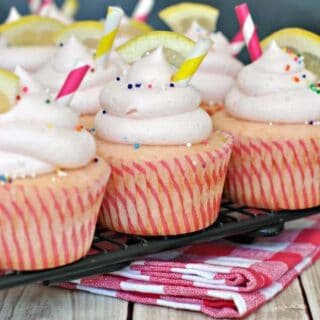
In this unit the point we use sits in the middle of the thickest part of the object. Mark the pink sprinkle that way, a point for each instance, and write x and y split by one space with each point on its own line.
205 141
149 86
25 89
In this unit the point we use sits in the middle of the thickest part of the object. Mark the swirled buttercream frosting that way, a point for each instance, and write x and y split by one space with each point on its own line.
143 106
217 73
274 88
54 73
37 136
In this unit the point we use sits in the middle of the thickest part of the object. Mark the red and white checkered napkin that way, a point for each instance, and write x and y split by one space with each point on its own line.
221 279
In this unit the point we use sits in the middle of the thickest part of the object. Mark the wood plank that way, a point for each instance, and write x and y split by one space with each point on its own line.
310 281
145 312
288 305
38 302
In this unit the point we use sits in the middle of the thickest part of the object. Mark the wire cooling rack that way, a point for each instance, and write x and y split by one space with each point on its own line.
111 250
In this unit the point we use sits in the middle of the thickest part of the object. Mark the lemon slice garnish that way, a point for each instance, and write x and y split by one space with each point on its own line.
180 17
30 30
88 33
302 42
176 46
133 28
9 88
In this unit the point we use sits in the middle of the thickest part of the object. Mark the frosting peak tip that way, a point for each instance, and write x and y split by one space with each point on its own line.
153 68
26 80
13 15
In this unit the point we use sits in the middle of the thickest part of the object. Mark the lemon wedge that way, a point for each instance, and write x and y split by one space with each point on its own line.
302 42
30 30
87 32
179 17
9 88
133 28
176 46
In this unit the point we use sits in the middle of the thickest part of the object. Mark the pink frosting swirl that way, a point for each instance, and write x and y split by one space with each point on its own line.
143 107
275 88
216 75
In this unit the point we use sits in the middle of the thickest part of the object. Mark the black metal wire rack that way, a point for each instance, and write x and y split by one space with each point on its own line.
111 251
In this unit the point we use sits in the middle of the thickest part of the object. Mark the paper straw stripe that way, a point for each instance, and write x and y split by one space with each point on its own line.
34 5
70 7
189 67
111 28
237 43
72 83
43 7
105 44
249 31
142 10
192 62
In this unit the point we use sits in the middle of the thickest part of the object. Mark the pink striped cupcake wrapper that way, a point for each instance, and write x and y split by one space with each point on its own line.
165 197
48 225
274 174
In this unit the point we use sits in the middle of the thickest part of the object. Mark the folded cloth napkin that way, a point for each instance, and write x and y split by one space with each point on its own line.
221 279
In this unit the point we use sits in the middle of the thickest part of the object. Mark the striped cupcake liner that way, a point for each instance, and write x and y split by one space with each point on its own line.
47 225
274 174
165 197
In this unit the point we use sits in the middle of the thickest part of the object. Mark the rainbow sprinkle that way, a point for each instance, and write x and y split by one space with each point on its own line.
315 88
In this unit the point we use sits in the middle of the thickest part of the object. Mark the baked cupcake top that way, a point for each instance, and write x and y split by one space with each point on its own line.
143 106
275 88
53 74
217 73
39 136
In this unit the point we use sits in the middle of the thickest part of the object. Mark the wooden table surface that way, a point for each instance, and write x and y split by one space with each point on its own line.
300 301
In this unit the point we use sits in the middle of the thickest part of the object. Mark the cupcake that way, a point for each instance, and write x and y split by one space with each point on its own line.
86 100
273 114
51 183
27 41
168 166
217 73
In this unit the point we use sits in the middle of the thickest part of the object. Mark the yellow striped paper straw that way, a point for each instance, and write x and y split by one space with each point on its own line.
111 28
70 7
189 67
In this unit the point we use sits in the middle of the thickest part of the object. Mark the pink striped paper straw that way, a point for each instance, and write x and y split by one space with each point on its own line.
44 4
237 43
34 5
142 10
72 83
249 31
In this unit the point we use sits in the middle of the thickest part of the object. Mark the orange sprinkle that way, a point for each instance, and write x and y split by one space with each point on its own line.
79 127
288 67
296 79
